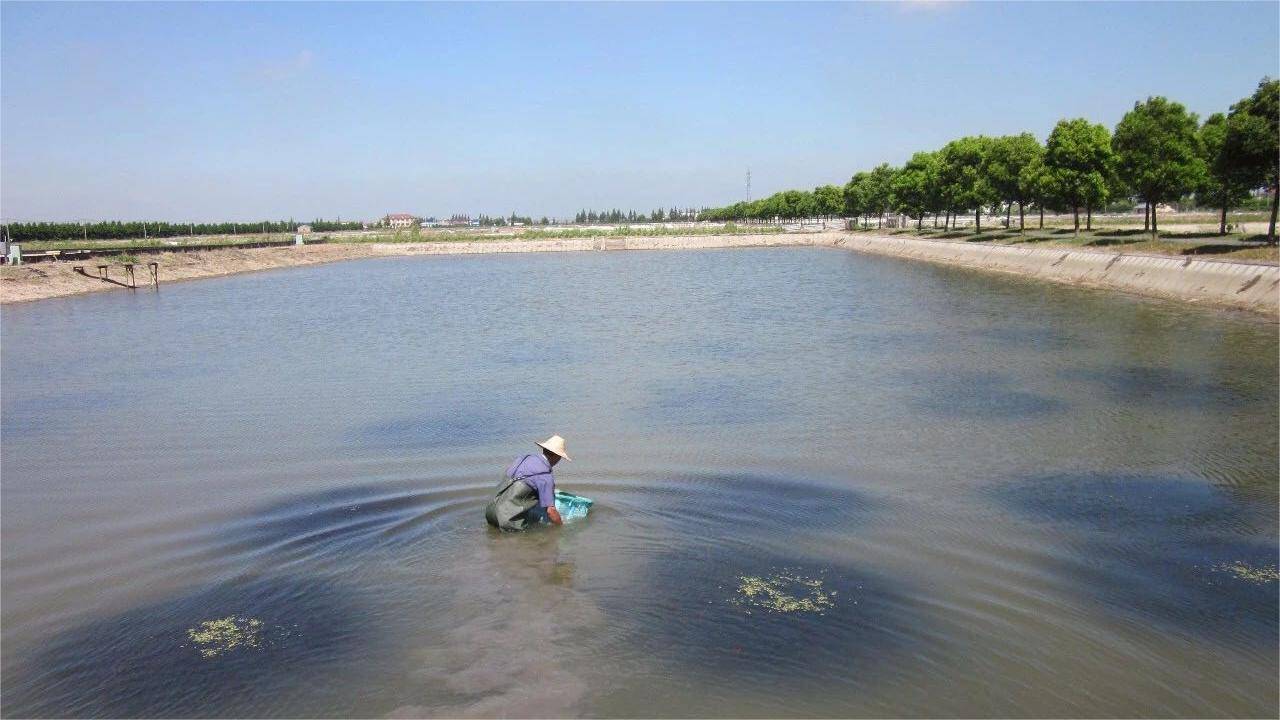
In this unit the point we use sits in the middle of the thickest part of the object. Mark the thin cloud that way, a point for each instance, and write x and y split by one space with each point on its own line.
926 5
288 68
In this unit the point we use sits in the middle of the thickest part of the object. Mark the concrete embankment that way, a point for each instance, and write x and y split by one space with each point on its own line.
1246 286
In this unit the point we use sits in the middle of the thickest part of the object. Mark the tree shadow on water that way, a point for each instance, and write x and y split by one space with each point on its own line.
709 608
298 643
1040 336
1159 386
701 400
307 645
440 425
835 625
1164 550
979 395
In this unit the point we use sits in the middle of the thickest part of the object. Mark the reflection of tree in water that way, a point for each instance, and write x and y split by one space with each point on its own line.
522 626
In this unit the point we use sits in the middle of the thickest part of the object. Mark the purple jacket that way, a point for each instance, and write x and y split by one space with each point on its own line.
535 472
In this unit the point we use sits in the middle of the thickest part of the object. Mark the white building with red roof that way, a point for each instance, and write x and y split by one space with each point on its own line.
400 220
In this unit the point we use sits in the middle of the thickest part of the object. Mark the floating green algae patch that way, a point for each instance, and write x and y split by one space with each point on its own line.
1249 573
784 592
215 637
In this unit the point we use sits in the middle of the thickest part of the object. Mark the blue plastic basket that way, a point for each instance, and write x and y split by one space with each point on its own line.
572 507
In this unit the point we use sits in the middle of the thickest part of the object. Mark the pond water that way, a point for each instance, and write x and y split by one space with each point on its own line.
825 484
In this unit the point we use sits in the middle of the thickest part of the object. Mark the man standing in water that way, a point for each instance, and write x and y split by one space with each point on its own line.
527 493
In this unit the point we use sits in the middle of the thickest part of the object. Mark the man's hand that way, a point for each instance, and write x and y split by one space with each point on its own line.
554 516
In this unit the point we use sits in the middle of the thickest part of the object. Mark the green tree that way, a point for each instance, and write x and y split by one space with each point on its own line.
828 201
1035 182
855 203
790 204
1229 179
1079 162
878 191
1260 151
1006 158
801 203
1158 152
915 187
961 177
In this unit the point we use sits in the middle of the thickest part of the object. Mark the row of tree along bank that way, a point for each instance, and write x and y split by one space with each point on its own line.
1158 153
118 230
586 217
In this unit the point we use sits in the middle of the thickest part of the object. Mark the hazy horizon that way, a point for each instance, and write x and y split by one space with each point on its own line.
252 111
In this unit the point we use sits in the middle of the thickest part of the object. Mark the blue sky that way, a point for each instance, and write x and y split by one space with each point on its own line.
244 111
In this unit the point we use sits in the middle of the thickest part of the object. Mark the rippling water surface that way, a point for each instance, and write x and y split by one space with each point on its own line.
1020 499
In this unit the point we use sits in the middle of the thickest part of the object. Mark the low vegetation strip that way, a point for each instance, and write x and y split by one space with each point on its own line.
119 230
81 251
563 233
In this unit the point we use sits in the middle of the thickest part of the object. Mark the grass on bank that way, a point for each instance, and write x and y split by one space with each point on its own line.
1187 218
1232 246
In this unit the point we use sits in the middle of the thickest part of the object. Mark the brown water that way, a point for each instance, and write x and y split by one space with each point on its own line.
1018 499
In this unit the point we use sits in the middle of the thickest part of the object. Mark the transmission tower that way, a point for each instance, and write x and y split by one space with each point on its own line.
748 184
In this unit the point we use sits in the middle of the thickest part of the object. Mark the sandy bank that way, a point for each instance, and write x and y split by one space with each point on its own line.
38 281
1245 286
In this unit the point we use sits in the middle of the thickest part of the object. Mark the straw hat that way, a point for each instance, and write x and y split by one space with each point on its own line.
555 444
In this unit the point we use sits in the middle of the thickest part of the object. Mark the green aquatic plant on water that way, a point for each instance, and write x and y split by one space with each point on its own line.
215 637
1249 573
785 592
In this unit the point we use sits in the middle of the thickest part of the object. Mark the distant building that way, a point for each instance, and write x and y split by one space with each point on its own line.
400 220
